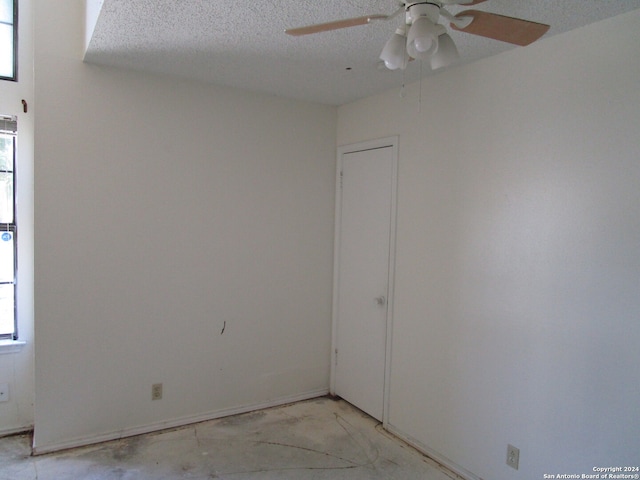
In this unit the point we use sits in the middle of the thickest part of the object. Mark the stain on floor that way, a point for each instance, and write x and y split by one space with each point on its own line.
317 439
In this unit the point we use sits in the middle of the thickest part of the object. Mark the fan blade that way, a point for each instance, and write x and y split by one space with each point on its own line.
325 27
461 2
506 29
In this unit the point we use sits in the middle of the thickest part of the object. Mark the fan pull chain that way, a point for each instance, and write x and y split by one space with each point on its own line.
420 95
403 92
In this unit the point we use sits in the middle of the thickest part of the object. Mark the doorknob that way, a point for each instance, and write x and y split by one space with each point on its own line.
381 300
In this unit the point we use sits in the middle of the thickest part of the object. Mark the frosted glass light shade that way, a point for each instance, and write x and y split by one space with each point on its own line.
446 54
394 53
422 40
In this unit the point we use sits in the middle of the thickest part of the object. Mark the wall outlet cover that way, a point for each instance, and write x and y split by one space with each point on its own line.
513 456
4 392
156 391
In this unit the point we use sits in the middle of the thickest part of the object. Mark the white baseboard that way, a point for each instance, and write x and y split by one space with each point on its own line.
174 423
457 469
5 432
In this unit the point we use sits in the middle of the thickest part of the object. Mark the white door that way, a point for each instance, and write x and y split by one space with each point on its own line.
364 241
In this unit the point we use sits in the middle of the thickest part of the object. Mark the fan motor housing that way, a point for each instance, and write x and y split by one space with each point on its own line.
422 9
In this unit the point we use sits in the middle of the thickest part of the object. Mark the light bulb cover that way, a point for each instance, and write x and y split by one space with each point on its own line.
446 54
394 53
422 39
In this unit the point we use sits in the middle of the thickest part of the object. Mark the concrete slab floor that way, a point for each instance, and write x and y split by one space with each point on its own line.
315 439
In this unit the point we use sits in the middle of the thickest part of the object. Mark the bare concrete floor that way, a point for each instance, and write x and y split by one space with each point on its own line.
315 439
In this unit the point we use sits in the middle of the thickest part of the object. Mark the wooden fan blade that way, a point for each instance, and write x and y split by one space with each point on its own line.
462 2
506 29
325 27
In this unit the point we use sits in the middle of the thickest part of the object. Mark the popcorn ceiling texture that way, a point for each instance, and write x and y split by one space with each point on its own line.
243 45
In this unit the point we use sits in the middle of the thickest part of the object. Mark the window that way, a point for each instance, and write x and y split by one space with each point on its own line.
8 228
8 39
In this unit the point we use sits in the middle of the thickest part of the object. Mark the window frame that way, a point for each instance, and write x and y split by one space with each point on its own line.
13 228
14 78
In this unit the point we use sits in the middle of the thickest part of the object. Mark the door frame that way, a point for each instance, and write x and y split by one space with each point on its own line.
387 142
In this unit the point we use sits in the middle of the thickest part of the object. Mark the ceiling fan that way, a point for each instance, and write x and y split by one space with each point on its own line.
422 37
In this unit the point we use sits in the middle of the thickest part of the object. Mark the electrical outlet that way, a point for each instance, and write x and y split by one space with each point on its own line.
4 392
513 456
156 391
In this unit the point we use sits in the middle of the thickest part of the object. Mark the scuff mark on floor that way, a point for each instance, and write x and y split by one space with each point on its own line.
313 450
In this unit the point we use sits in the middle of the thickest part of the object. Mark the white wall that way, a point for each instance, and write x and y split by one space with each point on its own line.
92 13
518 263
167 212
16 368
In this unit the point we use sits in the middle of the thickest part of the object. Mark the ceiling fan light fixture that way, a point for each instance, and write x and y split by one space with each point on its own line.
394 54
446 54
422 39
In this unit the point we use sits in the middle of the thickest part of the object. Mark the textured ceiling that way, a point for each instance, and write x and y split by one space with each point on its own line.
242 43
